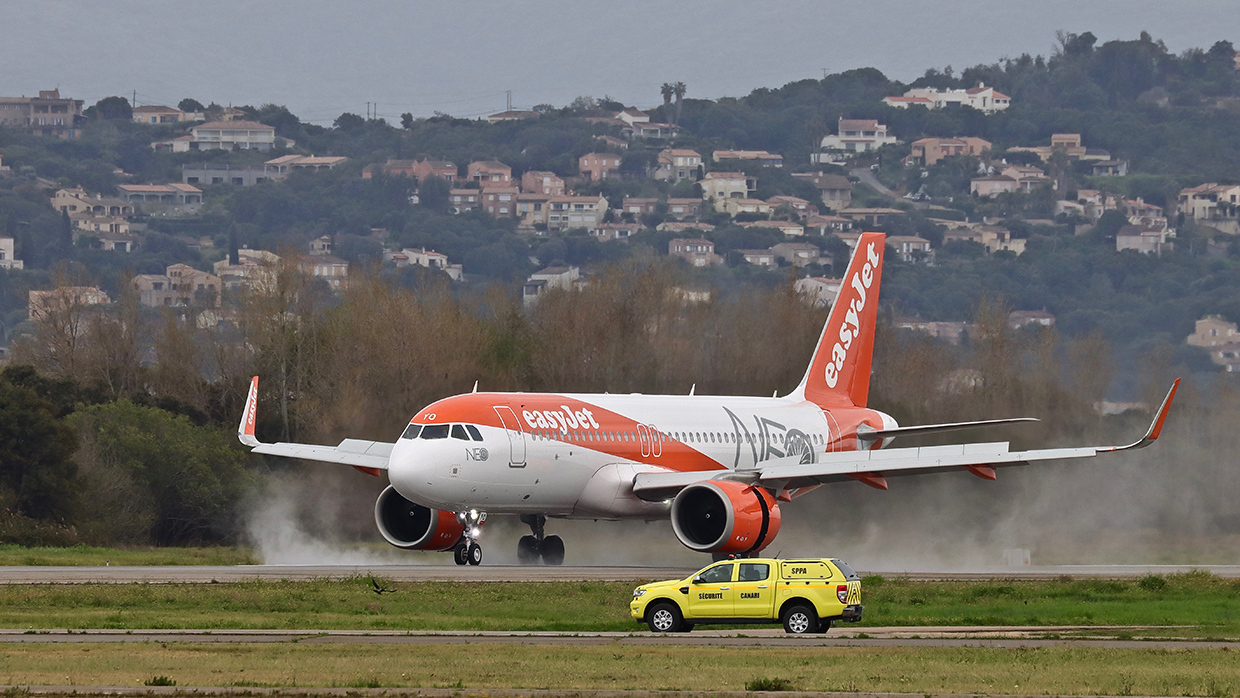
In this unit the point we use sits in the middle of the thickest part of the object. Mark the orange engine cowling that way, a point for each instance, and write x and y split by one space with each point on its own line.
413 526
721 516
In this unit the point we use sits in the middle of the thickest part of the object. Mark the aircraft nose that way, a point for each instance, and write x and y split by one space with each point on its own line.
407 464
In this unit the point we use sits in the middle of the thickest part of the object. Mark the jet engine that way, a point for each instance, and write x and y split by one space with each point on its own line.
413 526
722 516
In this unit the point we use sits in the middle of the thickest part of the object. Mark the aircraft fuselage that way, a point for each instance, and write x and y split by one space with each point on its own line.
575 455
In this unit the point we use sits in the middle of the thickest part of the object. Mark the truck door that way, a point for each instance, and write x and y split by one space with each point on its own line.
754 590
710 593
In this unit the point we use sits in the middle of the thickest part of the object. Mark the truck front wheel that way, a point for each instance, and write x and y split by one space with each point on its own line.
665 618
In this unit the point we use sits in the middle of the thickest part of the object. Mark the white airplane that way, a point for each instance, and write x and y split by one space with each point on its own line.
719 466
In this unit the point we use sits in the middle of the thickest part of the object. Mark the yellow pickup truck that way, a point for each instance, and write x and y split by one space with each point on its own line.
807 596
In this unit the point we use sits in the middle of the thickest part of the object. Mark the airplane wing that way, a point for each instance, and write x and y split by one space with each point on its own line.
370 457
873 467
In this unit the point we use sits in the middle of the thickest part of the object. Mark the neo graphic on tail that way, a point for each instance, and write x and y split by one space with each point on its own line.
719 466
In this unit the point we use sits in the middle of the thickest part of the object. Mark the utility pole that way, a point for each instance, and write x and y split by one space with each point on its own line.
509 93
134 103
824 73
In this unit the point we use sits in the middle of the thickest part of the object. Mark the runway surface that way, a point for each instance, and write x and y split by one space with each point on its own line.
1078 636
517 573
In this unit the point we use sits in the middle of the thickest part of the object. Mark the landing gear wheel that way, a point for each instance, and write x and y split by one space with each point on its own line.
552 549
473 554
800 620
458 555
665 618
527 550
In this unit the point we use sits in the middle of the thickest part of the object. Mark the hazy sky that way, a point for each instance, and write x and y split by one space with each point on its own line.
321 57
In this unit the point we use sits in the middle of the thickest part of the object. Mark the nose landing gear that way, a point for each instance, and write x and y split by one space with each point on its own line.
467 551
530 548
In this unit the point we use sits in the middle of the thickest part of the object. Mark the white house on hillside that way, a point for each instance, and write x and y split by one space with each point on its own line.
981 98
853 136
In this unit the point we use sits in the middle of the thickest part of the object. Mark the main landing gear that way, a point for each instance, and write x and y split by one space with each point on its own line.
467 551
530 548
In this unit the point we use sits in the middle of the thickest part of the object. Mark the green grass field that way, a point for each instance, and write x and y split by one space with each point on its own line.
82 555
1208 604
1057 670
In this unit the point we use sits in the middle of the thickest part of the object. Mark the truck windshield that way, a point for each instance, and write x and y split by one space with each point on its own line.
848 571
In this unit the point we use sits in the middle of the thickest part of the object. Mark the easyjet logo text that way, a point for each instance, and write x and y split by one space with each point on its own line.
563 419
851 327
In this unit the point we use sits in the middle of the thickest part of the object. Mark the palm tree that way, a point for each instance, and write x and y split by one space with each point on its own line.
679 90
668 89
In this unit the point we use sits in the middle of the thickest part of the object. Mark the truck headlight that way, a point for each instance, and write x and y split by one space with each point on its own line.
638 593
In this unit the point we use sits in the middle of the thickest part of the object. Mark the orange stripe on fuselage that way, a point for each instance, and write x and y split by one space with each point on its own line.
479 408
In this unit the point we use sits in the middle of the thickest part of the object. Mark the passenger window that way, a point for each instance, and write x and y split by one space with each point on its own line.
411 431
434 431
753 572
717 574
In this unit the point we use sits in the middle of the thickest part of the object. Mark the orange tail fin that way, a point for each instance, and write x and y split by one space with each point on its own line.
839 374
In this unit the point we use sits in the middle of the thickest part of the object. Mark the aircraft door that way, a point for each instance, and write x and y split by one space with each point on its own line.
516 437
643 435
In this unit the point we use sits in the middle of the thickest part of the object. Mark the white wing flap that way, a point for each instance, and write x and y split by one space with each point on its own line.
907 461
787 473
365 454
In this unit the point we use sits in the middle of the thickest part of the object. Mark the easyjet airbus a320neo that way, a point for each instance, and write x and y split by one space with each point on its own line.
719 466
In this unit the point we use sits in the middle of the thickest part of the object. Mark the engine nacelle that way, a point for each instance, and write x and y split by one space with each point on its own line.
413 526
722 516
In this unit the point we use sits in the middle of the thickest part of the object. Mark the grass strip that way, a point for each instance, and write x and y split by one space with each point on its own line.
87 556
1055 670
1204 602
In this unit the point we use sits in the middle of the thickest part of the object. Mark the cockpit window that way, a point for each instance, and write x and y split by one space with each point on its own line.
435 431
411 431
458 432
473 431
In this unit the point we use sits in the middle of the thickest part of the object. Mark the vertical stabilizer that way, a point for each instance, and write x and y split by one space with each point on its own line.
839 374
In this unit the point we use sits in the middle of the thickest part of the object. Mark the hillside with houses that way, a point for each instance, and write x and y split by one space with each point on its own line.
990 181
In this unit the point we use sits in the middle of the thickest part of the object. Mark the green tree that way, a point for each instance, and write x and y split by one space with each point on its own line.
190 105
36 450
434 193
406 121
350 123
110 108
64 237
679 90
178 482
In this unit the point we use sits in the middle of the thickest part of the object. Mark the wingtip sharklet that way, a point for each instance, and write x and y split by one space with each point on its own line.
1156 426
245 430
